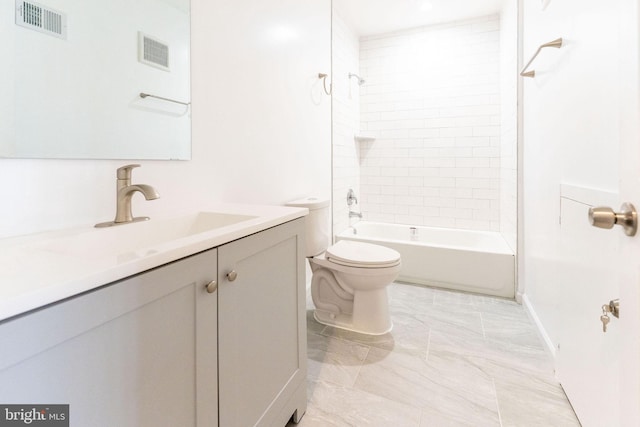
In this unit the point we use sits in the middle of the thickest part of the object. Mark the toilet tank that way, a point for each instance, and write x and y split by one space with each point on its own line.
317 224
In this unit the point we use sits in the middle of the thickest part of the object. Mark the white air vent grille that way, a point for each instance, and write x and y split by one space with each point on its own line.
41 18
152 51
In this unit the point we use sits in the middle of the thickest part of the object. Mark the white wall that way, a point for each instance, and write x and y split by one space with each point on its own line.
260 126
265 120
432 99
346 119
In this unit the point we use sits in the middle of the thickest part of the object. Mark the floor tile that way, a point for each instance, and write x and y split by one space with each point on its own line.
452 359
334 360
532 400
333 405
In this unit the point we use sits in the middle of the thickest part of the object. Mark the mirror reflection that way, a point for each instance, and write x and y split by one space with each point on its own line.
75 73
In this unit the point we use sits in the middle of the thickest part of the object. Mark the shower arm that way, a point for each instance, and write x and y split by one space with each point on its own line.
360 79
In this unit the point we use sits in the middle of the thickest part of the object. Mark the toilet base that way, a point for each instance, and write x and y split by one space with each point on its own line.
345 321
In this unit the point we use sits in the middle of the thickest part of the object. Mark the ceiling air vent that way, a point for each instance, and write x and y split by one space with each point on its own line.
41 18
152 51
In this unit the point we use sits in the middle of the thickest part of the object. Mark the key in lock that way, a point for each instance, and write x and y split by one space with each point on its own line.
614 308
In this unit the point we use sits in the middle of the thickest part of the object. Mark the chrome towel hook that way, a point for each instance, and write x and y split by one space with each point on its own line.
323 76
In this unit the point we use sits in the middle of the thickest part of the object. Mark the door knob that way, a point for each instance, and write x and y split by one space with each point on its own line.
605 217
232 275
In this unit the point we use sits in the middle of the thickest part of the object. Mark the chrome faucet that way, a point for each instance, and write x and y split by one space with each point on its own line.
124 193
353 214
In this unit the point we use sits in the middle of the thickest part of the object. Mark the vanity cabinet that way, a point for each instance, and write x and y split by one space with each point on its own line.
262 328
134 353
162 349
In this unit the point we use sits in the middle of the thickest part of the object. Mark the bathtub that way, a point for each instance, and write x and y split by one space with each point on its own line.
473 261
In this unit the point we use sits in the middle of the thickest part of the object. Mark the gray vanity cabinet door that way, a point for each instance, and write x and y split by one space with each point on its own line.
139 352
261 328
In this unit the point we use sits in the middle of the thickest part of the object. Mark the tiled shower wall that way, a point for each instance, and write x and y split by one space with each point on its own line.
432 100
346 119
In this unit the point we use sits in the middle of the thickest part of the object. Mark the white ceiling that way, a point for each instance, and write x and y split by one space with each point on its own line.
367 17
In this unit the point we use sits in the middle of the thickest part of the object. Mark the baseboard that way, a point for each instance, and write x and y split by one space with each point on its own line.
549 346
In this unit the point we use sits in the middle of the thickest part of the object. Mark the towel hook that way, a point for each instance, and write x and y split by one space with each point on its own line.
323 76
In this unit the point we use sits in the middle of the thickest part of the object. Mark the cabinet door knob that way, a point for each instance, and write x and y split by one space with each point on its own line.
232 275
212 286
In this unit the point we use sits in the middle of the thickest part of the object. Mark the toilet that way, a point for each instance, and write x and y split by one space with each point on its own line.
350 279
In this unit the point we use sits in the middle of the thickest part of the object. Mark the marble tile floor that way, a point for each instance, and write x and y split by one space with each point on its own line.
452 359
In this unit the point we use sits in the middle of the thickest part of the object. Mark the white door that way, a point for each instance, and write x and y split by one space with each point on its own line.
600 371
594 79
629 251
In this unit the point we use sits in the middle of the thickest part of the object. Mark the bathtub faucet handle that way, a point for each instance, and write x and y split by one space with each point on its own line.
351 197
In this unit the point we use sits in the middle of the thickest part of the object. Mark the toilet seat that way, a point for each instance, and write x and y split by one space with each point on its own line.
362 255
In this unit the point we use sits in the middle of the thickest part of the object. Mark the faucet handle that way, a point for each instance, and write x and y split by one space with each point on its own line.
124 172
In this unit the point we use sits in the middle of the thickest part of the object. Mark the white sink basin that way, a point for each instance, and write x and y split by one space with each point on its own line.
138 239
46 267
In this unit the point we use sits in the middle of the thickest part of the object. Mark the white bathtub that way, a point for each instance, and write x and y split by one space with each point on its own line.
473 261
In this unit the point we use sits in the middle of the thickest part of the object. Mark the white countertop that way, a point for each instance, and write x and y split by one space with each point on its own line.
43 268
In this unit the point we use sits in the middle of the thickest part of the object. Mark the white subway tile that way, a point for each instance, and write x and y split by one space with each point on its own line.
456 132
440 202
456 172
395 172
486 131
424 133
440 162
423 211
473 162
439 142
473 141
439 182
425 171
486 152
457 213
424 191
483 193
436 159
410 181
473 204
408 219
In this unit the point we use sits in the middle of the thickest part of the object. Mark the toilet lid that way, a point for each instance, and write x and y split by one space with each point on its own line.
363 255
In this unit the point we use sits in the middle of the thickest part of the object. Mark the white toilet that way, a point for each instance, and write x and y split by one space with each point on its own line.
350 279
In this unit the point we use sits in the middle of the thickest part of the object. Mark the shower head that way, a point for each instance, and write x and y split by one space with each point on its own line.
360 79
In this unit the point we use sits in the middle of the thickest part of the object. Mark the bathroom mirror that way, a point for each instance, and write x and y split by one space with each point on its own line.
73 75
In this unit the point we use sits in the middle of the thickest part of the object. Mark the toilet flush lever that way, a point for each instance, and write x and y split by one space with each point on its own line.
605 217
